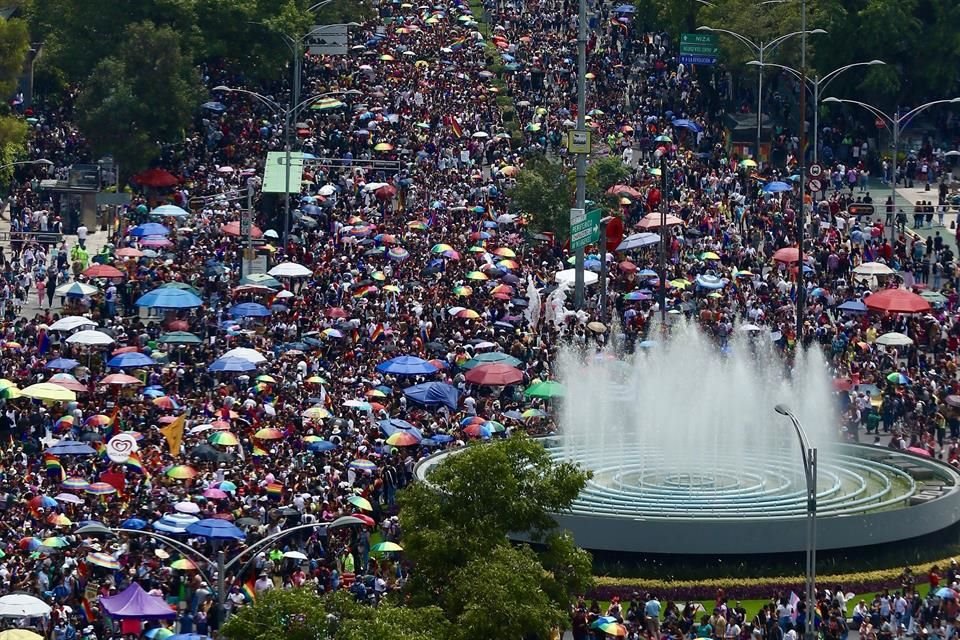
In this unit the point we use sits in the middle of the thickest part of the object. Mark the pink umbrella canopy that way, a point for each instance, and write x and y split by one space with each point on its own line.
920 451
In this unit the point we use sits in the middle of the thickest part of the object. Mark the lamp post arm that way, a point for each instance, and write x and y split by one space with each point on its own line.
176 544
265 100
776 42
909 114
265 542
830 77
747 42
872 109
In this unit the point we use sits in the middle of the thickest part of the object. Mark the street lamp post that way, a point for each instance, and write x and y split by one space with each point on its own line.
581 190
287 145
809 455
815 86
760 49
896 122
602 250
42 161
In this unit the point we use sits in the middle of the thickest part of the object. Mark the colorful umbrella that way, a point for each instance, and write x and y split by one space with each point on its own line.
386 547
101 489
268 433
181 472
225 439
360 502
103 560
363 464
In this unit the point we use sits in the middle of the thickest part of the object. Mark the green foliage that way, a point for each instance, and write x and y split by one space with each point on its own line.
544 191
499 596
143 96
603 174
14 44
301 614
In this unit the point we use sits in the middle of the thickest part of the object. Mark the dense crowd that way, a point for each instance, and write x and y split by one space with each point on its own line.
287 392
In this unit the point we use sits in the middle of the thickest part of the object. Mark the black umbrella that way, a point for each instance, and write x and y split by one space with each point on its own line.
247 522
91 436
205 452
436 347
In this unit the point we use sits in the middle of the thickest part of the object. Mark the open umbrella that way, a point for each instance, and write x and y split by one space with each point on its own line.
167 298
406 366
131 360
494 374
896 301
545 389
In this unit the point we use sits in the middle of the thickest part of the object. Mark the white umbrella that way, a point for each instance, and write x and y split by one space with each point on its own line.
22 605
894 339
295 555
250 355
170 211
290 270
283 295
187 507
872 269
750 327
327 190
76 289
373 186
90 337
480 134
69 323
569 276
638 240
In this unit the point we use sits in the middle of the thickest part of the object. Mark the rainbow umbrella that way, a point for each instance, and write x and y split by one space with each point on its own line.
101 489
266 378
56 542
104 560
181 472
403 439
63 424
477 275
375 393
392 288
509 264
29 543
259 452
159 633
504 252
75 484
379 276
462 291
533 413
45 502
59 520
183 564
311 439
386 547
225 439
268 433
98 420
360 502
226 485
398 253
362 464
614 628
468 314
494 426
316 413
417 225
440 248
215 494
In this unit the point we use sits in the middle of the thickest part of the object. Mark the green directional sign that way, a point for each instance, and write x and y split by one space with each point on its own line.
699 48
584 229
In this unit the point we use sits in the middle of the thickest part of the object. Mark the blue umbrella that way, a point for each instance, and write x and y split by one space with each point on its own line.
134 523
149 229
249 310
321 446
70 448
406 366
946 593
434 393
188 636
216 529
852 306
217 107
776 187
62 364
231 364
442 438
393 425
709 281
154 393
167 298
688 124
625 8
131 360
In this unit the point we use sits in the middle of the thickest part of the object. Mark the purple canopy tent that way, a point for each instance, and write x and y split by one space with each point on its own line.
134 602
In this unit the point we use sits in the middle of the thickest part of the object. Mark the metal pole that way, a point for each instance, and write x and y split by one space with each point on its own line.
759 101
802 213
578 295
816 117
297 62
894 165
249 253
286 186
811 473
663 241
221 586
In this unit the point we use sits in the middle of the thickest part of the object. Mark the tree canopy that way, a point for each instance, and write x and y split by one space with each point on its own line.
14 45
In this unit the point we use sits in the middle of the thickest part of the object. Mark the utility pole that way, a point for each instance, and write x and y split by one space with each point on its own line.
663 241
578 295
802 212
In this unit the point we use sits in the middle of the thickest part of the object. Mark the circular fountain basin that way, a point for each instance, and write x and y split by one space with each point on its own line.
639 501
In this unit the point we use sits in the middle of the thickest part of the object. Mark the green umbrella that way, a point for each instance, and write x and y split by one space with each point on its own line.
180 337
386 547
261 279
545 389
491 357
934 297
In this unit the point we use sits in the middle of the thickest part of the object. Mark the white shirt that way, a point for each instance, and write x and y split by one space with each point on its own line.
82 232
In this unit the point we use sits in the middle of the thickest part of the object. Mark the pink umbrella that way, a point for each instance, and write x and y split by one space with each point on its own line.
920 451
215 494
155 241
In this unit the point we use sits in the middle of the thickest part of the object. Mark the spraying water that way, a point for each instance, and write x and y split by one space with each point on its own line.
685 420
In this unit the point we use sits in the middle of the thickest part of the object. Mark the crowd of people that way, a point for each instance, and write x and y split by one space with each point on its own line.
271 401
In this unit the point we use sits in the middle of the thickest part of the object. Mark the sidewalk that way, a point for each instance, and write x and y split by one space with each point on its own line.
96 239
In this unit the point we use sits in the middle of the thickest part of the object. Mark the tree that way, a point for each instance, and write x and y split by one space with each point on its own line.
544 191
143 96
603 174
302 614
456 525
14 45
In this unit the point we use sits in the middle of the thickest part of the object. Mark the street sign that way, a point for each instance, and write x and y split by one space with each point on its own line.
859 209
699 48
577 216
586 231
327 40
578 142
814 171
275 172
815 186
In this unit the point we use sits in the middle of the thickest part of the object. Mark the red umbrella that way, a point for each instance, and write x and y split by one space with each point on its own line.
335 312
367 520
386 192
178 325
156 178
102 271
119 379
624 190
842 384
897 301
787 254
920 451
117 352
495 373
233 229
628 267
652 221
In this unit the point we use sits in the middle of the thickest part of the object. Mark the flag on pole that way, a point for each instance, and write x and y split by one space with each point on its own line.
173 432
249 590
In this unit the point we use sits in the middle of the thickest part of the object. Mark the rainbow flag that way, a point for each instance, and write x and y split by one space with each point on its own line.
134 463
259 453
248 590
87 610
274 489
456 45
376 332
455 127
53 466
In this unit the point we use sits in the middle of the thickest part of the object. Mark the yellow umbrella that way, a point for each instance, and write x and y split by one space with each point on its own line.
748 163
680 283
383 146
49 391
709 255
20 634
387 57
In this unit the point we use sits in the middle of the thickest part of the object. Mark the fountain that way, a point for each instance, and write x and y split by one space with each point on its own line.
689 457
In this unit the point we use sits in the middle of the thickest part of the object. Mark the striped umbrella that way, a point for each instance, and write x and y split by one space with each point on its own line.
104 560
181 472
75 484
183 564
363 464
224 438
101 489
360 502
268 433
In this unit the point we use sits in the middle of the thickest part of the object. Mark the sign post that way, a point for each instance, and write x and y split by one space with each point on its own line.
584 228
699 48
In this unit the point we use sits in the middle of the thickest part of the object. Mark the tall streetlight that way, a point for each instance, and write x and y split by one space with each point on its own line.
815 86
42 161
581 191
896 121
287 114
809 455
760 49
